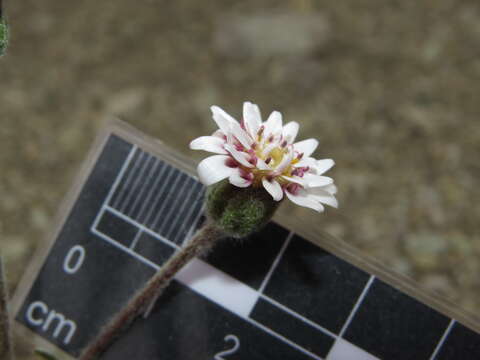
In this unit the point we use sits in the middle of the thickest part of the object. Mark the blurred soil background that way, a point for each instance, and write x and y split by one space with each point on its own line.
391 89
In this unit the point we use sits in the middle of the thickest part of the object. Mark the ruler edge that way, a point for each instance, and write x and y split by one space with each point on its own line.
338 247
48 239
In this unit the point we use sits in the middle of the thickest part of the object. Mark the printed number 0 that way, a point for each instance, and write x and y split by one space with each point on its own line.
236 346
76 253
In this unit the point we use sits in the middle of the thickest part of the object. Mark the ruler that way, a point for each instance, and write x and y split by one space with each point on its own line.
279 294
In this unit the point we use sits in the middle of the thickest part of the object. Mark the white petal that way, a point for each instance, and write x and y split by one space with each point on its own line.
328 200
212 144
318 191
237 180
324 165
213 169
302 199
307 161
241 157
222 119
219 134
331 189
241 135
323 196
290 131
306 147
316 180
273 188
296 180
252 118
262 165
273 125
286 161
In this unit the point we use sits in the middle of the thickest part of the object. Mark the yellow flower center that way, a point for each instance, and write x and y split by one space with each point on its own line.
277 155
274 158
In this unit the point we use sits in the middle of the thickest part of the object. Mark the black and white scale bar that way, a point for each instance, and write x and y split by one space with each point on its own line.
149 193
271 296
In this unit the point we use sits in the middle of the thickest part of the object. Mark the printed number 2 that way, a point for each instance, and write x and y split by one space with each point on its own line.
236 346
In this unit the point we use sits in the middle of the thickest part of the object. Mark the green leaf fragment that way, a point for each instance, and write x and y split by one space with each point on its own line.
42 354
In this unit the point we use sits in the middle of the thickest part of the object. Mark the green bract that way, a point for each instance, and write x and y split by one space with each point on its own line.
239 212
3 36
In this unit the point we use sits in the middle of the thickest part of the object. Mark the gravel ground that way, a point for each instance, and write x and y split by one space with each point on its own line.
389 87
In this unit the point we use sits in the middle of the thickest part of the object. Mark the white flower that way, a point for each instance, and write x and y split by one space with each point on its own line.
256 153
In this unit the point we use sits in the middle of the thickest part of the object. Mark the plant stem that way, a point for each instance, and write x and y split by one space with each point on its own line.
6 348
201 242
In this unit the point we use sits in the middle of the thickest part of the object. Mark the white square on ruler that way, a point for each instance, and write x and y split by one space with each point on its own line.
218 287
344 350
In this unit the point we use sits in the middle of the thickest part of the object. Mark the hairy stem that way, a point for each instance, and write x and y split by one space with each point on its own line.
201 242
6 348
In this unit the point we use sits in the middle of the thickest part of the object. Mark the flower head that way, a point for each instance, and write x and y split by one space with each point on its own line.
264 154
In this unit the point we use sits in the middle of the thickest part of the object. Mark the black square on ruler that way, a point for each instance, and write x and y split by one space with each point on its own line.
461 343
249 260
392 325
296 330
153 249
316 284
116 228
